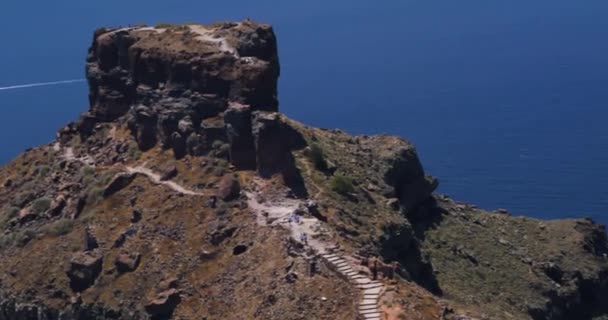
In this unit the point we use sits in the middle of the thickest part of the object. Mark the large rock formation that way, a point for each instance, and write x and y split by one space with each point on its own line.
193 110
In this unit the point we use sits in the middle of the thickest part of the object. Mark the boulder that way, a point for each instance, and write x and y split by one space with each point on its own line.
228 188
90 242
169 173
26 215
163 304
119 182
74 206
57 206
84 269
127 262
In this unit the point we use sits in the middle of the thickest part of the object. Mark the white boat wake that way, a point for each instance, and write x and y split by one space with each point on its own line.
31 85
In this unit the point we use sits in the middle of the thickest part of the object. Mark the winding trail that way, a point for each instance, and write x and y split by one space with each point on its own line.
282 213
155 178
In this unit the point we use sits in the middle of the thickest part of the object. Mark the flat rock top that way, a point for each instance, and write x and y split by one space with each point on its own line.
243 39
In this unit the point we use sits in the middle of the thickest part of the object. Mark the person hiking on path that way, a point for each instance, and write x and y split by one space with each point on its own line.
374 267
304 238
313 266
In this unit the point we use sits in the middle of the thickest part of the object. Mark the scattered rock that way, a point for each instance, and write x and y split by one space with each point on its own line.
135 216
502 211
74 206
8 183
127 262
228 188
393 203
162 306
57 206
291 277
90 242
240 249
119 182
84 268
26 215
169 173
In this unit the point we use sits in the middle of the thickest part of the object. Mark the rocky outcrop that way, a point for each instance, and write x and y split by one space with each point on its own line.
162 306
228 188
127 261
405 173
168 80
84 269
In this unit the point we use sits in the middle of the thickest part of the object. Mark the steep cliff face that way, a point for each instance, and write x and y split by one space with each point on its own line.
148 207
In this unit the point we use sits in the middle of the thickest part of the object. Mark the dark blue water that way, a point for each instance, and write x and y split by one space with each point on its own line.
506 101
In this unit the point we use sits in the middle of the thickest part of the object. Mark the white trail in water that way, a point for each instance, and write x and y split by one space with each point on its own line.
31 85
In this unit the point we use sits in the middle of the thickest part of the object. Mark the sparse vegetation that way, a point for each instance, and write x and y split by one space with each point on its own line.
59 227
43 171
94 195
88 175
24 237
9 213
163 25
6 241
133 152
402 316
341 184
317 157
41 205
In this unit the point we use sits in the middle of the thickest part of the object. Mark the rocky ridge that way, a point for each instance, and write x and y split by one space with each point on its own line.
158 177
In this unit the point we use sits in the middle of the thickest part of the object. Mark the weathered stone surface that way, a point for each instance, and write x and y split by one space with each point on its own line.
169 173
119 182
127 262
84 268
162 306
57 205
178 76
240 137
228 188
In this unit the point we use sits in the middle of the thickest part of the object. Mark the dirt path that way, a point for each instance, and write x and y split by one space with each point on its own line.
68 154
155 178
205 35
282 213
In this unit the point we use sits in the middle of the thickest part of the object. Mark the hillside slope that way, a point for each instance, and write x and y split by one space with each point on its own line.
182 193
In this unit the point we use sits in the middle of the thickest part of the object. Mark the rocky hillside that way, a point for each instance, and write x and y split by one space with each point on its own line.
182 193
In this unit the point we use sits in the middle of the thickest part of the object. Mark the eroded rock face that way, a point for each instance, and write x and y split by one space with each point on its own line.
85 267
169 79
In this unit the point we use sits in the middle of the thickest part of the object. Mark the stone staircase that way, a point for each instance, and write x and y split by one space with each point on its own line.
371 290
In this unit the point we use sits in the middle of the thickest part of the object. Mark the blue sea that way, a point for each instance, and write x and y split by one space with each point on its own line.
506 101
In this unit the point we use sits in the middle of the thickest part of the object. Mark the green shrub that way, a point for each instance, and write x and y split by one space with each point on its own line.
134 153
87 171
163 25
59 227
402 316
43 171
94 195
23 198
341 184
41 205
9 213
6 241
12 212
24 237
317 157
